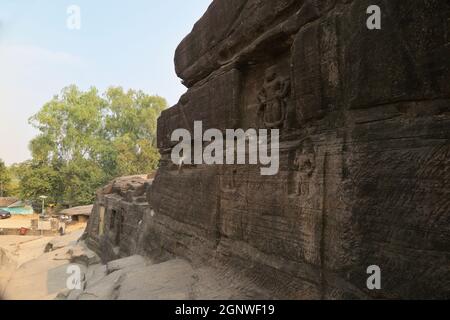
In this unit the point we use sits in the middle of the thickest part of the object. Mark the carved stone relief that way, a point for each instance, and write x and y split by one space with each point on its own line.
272 99
303 168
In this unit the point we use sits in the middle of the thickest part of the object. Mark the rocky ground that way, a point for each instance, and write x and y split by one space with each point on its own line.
137 278
35 268
30 273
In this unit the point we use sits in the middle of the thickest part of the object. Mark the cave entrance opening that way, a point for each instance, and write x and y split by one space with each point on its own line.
112 222
119 229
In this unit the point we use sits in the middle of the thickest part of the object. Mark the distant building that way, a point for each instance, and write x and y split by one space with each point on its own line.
80 214
15 206
7 201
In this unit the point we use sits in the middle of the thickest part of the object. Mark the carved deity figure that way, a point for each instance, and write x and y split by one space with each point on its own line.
272 99
306 164
303 169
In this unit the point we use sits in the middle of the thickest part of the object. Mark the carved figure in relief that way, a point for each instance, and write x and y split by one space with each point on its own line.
272 99
303 169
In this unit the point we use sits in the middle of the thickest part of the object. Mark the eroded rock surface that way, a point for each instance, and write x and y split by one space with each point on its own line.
37 274
364 170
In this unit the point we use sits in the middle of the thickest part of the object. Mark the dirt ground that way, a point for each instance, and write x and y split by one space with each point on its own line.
18 221
24 221
26 272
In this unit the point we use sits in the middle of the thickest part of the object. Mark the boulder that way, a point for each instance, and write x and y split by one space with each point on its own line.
126 263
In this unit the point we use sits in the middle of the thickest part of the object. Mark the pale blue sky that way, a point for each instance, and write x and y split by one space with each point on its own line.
128 43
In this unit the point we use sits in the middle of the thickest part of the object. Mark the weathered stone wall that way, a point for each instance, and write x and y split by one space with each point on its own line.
114 227
364 178
7 266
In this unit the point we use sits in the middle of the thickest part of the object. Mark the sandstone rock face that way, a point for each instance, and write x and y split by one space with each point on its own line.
114 229
364 117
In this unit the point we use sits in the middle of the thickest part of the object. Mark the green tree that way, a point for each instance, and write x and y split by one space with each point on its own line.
131 126
5 179
86 140
40 179
13 188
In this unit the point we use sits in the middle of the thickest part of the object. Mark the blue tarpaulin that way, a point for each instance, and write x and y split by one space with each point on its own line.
19 210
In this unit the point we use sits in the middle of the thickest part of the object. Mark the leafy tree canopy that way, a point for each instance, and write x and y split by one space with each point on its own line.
86 139
5 179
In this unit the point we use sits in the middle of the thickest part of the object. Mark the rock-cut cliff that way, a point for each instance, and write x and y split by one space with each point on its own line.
364 119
